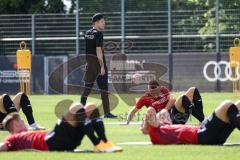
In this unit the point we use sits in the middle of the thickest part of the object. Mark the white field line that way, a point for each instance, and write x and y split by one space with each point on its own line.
135 143
121 123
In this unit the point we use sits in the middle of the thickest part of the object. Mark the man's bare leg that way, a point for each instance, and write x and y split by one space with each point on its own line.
180 110
16 100
21 101
2 109
228 112
190 103
77 116
151 117
73 114
7 104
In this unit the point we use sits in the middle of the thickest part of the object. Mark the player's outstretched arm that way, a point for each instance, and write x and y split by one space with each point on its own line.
131 114
3 147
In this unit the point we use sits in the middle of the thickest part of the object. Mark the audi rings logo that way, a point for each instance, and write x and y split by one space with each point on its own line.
222 71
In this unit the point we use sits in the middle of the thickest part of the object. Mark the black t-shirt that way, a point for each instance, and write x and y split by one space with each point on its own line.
93 38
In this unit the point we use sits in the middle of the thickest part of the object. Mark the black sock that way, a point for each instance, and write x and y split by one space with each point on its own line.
191 109
86 126
197 100
2 116
8 104
187 104
95 114
89 131
99 129
27 108
98 125
234 116
86 92
81 115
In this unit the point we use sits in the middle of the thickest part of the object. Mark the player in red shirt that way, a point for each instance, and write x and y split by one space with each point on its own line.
159 97
213 131
19 101
66 135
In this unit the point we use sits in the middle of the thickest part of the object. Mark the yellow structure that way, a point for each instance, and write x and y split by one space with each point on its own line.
234 58
24 66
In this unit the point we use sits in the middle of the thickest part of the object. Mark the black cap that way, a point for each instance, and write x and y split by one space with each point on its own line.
97 17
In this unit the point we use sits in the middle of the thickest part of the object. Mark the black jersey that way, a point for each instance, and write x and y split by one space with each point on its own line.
93 38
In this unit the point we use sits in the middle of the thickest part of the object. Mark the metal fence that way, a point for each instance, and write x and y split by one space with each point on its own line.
158 29
181 39
64 74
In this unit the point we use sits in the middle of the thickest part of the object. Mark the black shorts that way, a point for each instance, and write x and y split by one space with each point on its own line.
2 116
213 131
178 117
64 137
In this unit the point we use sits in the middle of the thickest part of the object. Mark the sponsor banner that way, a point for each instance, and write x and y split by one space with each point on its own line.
9 75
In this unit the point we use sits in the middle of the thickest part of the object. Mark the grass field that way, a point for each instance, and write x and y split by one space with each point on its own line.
44 114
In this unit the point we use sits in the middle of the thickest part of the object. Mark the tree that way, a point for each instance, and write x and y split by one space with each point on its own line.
73 6
228 20
31 6
55 6
227 14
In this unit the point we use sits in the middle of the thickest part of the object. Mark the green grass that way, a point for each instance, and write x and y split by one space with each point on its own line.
44 114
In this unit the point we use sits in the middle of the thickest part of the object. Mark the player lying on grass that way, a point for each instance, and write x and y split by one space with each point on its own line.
159 97
19 101
66 135
214 130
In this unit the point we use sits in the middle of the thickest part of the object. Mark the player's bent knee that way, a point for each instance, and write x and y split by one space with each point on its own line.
192 88
163 111
8 105
4 95
227 103
164 117
18 96
151 110
75 107
190 92
224 106
90 107
20 93
237 103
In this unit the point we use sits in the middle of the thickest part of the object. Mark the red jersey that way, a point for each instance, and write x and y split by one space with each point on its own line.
158 103
26 140
174 134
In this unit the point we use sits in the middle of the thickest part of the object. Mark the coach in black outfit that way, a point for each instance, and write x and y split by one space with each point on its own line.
96 69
